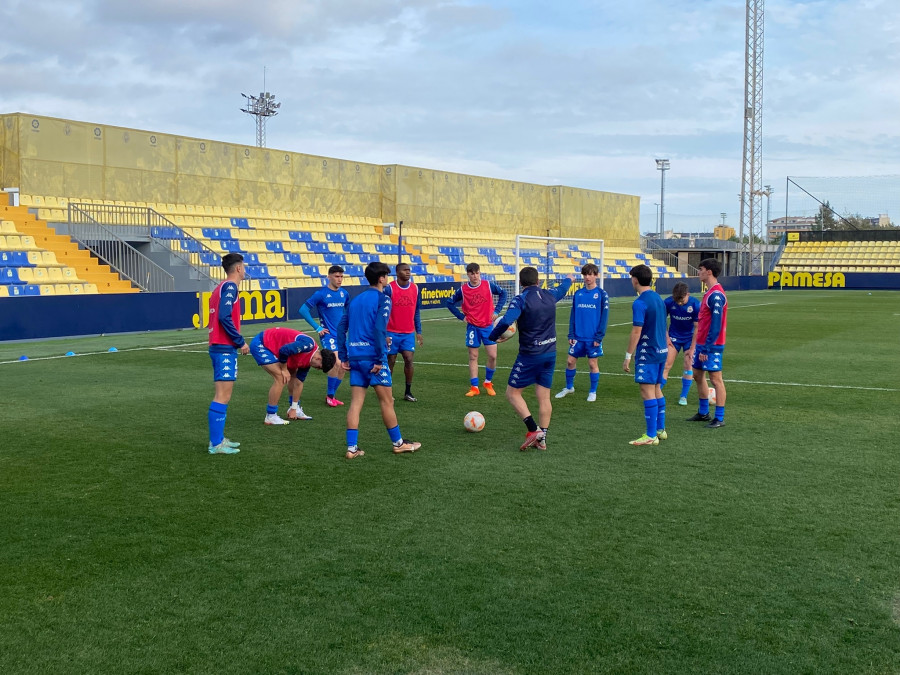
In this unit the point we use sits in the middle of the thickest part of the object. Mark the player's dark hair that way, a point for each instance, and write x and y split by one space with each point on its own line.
590 268
712 265
679 291
335 269
528 276
401 265
376 270
643 274
230 261
329 358
473 267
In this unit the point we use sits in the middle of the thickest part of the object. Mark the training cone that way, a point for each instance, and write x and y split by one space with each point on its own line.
23 358
112 349
70 353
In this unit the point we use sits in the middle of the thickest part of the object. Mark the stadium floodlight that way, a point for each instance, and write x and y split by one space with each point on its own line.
662 166
262 107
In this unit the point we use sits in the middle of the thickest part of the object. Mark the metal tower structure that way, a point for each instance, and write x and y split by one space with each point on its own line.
262 107
751 174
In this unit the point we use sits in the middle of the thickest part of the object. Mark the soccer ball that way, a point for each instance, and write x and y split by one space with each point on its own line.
508 333
474 421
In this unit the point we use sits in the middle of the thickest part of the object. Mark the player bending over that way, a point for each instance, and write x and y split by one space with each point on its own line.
478 311
683 311
587 327
285 353
329 302
535 311
362 348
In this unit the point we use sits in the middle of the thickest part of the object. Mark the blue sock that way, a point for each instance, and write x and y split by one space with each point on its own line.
352 437
595 380
704 406
489 374
216 416
395 434
650 416
686 386
570 378
271 409
660 413
333 383
720 413
473 381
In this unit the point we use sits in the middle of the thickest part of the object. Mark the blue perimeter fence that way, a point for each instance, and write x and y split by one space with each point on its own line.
34 318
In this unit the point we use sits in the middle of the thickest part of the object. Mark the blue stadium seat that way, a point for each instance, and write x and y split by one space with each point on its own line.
240 223
336 237
311 271
352 248
300 236
334 258
268 284
14 259
274 246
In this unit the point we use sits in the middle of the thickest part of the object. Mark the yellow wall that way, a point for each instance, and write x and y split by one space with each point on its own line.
47 156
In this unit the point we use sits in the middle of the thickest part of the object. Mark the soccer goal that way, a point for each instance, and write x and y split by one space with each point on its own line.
557 257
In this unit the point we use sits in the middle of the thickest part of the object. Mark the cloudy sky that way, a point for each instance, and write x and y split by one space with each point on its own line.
581 92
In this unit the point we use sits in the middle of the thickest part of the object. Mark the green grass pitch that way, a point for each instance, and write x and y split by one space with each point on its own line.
768 546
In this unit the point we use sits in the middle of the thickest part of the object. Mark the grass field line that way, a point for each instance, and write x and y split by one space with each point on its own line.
623 374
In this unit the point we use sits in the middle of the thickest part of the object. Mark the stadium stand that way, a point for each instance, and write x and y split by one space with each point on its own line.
287 249
841 256
34 260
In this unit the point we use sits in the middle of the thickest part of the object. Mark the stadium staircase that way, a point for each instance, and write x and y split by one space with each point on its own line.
284 249
34 260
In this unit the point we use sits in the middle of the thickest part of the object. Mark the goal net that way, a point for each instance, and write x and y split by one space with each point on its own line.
556 257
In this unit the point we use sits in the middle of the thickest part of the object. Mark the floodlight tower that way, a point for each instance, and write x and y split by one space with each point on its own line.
662 165
751 175
262 107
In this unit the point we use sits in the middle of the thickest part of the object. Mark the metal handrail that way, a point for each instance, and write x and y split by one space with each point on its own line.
140 221
667 257
118 253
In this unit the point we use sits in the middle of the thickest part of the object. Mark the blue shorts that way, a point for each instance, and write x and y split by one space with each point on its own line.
528 370
681 344
260 352
329 341
584 348
224 364
361 375
402 342
476 336
649 373
713 363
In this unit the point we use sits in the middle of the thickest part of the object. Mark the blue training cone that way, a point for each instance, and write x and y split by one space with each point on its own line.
70 353
112 349
23 358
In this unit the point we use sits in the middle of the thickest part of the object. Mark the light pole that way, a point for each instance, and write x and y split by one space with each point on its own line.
662 165
723 216
400 244
656 204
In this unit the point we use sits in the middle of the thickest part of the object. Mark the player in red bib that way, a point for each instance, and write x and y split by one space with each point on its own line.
225 341
710 350
479 312
285 353
404 328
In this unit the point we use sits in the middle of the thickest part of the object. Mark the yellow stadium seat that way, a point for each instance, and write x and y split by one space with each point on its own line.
55 275
35 258
26 274
48 289
90 288
4 292
76 289
8 227
28 243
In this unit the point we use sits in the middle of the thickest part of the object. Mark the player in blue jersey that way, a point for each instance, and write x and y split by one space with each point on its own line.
649 346
225 341
535 311
683 311
362 349
329 302
587 327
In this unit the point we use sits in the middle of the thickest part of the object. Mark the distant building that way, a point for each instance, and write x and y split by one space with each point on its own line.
778 226
723 232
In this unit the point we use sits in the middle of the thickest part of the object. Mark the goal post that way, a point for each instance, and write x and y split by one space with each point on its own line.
557 257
